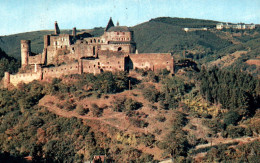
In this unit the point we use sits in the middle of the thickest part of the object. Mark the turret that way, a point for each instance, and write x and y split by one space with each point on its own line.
74 32
6 79
109 24
57 29
25 51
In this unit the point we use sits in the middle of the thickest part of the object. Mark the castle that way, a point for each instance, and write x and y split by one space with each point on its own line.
74 53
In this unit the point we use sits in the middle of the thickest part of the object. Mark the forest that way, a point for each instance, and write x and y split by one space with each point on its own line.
28 128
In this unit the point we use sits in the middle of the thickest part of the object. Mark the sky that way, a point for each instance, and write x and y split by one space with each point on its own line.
18 16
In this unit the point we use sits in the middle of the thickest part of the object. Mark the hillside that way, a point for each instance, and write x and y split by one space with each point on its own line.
166 35
11 43
162 116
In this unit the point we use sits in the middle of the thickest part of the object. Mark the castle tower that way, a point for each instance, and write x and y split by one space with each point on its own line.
109 24
57 29
74 32
6 79
25 51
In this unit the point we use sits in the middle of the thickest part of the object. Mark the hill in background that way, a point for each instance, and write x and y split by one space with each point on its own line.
166 34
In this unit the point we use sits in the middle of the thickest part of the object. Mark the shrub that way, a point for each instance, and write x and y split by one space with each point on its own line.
148 140
150 93
160 118
138 122
120 104
235 131
232 117
96 111
81 110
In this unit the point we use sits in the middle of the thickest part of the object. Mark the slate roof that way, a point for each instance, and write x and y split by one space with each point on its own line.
118 29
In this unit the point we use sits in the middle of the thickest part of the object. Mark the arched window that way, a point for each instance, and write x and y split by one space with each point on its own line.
119 49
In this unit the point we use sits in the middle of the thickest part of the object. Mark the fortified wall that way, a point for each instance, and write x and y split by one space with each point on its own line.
151 61
81 53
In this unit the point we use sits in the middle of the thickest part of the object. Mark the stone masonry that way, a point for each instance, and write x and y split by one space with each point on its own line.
65 54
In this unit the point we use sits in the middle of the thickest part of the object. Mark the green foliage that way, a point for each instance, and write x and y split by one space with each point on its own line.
150 93
138 122
232 117
123 104
7 64
172 92
81 110
148 140
235 131
234 90
96 110
214 125
242 153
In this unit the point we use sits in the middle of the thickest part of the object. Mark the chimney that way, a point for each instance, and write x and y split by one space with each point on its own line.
57 29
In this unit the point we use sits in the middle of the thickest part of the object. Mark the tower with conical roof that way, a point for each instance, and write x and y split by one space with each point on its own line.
109 24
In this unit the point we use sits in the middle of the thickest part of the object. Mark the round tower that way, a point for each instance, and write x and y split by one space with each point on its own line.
6 79
25 51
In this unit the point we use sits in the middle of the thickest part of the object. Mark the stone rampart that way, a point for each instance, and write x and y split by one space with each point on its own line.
37 59
52 72
152 61
25 78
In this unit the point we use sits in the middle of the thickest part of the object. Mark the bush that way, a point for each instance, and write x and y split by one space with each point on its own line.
150 93
138 122
160 118
148 140
81 110
235 131
232 117
96 111
123 104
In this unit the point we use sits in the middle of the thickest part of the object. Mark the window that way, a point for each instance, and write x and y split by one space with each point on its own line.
118 62
117 33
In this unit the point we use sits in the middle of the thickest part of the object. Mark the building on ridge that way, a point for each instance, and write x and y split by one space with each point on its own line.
78 53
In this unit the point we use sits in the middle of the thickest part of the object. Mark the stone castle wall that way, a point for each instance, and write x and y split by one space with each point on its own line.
37 59
52 72
152 61
25 77
113 51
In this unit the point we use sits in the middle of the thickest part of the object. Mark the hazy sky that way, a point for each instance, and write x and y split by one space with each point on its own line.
18 16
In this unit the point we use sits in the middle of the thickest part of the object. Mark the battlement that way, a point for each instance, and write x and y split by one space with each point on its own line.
25 78
82 53
25 41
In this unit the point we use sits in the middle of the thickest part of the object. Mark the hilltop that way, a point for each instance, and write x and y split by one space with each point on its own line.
165 34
